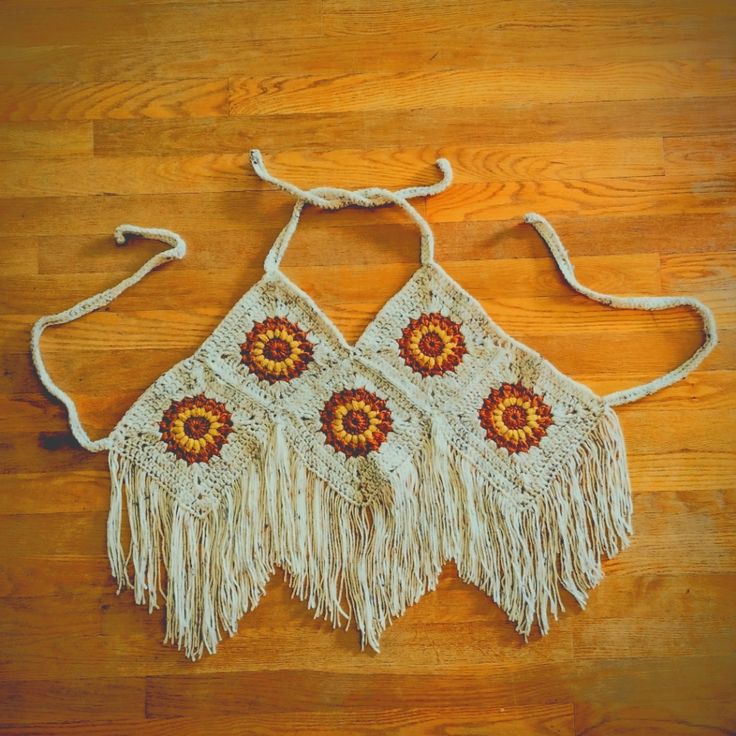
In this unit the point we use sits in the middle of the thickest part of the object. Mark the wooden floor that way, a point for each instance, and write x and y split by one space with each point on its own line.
613 118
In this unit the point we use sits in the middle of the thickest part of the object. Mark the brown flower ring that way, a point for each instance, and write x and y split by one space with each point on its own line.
355 422
195 428
514 417
432 344
276 350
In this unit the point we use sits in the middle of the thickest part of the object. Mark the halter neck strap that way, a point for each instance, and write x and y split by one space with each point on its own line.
335 198
175 252
650 303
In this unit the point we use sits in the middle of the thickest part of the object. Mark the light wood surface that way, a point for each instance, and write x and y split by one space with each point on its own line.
613 118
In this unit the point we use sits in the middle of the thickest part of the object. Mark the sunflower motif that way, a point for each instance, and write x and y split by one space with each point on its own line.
355 422
195 428
432 344
276 350
514 417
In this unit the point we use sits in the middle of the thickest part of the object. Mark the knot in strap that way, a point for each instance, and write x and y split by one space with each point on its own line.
335 198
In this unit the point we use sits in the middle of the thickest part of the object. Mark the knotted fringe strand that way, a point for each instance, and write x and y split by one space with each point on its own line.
523 555
216 561
361 563
366 563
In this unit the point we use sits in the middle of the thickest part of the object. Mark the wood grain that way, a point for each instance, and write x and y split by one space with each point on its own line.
477 88
614 118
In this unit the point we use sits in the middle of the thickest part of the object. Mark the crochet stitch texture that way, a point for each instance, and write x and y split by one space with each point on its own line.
360 470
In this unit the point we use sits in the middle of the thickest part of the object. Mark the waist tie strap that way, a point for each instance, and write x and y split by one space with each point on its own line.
650 303
176 252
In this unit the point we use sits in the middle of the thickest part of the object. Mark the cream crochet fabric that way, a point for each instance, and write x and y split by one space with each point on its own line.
360 470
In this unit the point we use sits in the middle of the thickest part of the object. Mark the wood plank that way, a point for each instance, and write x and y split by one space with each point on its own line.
43 492
313 131
55 701
634 195
630 354
659 679
87 489
583 358
327 692
681 272
18 257
586 159
646 597
650 354
55 448
682 470
44 139
476 46
682 637
703 155
705 388
527 720
96 100
475 88
656 718
62 577
508 123
84 610
133 22
659 516
378 17
484 651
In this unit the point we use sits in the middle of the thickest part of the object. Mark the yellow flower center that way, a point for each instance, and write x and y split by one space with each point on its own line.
276 351
355 422
431 345
513 418
195 428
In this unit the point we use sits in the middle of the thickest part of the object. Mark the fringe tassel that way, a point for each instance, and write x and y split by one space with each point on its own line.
217 564
367 563
348 562
522 556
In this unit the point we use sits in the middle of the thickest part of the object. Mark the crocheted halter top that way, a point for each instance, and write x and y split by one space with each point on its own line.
361 469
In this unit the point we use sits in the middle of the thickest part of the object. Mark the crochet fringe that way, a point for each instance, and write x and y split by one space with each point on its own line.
522 556
367 563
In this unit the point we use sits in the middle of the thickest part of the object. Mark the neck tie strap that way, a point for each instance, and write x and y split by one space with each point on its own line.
334 198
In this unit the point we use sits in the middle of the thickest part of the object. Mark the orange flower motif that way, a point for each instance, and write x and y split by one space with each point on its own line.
432 345
514 417
355 422
195 428
276 350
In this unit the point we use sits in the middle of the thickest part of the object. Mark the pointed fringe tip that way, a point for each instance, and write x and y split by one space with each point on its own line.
522 556
364 564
